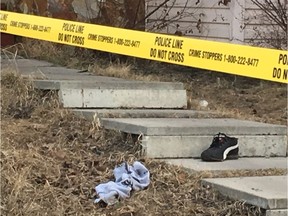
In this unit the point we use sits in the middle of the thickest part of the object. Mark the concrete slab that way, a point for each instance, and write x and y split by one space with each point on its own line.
51 72
267 192
128 98
180 126
182 137
56 84
39 69
86 81
108 83
192 146
47 84
92 91
277 212
240 164
144 113
62 75
46 70
24 63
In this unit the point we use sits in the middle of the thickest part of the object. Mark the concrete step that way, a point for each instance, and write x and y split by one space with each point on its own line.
267 192
99 82
244 163
91 81
144 113
128 94
277 212
26 64
84 90
182 137
65 75
44 71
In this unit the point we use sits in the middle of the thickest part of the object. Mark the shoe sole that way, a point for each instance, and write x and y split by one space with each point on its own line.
226 152
232 157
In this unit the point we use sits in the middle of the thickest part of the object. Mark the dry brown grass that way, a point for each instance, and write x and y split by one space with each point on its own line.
23 102
112 70
120 70
51 160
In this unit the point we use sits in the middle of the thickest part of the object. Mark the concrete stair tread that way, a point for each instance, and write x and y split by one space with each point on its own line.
24 63
144 113
183 137
62 75
277 212
192 126
73 78
245 163
267 192
102 82
80 89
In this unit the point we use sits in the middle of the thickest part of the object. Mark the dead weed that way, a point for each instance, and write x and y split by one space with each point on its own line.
19 98
119 70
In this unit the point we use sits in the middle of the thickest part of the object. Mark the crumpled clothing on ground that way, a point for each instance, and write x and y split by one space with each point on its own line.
127 178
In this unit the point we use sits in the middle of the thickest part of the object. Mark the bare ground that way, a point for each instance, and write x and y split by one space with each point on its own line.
51 160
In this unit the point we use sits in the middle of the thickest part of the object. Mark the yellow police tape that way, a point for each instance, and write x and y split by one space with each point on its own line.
256 62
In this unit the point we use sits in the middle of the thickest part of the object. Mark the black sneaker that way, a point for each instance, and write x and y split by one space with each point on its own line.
223 147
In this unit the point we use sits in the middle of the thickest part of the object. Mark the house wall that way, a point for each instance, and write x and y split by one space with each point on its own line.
236 21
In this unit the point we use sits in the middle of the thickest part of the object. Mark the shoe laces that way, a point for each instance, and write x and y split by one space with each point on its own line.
218 140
